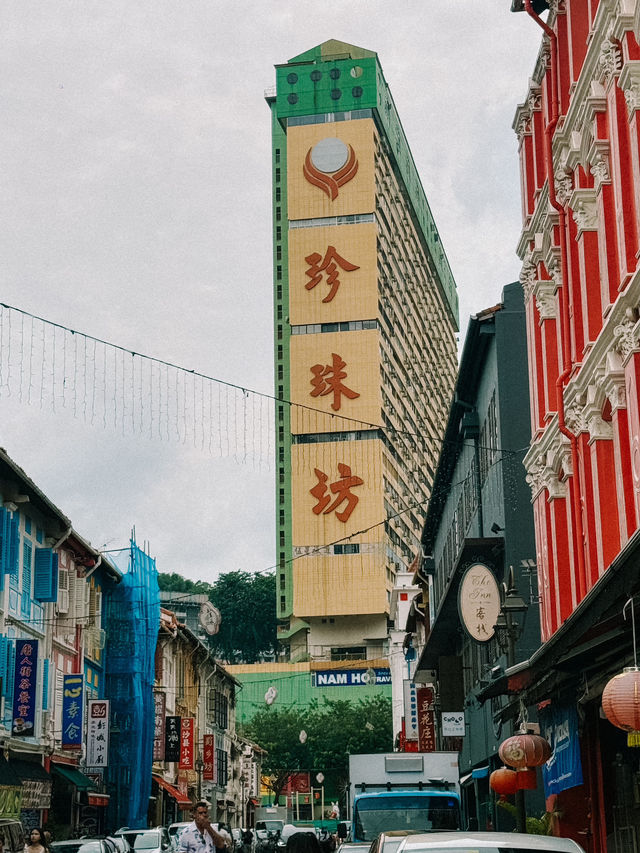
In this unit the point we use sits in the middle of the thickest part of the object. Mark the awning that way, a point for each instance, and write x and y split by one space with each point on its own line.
480 772
8 776
29 770
98 799
177 795
71 774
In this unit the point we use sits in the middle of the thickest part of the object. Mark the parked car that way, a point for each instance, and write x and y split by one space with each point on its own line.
354 847
290 829
174 832
84 845
154 840
13 835
388 842
487 842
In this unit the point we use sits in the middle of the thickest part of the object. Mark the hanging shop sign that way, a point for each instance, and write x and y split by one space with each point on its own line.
172 739
410 697
351 677
36 794
186 743
160 710
97 733
72 701
564 769
208 758
479 602
426 719
24 688
453 724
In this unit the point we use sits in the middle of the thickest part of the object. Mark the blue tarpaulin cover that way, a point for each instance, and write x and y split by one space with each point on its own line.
133 618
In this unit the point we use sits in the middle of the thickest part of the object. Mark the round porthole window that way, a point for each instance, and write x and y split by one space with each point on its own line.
292 98
357 91
315 76
334 73
292 78
336 93
356 71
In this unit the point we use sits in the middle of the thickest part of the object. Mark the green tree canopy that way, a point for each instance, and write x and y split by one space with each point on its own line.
335 729
247 604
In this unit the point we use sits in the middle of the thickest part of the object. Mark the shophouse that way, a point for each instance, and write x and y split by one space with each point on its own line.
477 560
578 130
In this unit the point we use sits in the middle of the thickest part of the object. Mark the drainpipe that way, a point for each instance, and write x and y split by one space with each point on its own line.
567 364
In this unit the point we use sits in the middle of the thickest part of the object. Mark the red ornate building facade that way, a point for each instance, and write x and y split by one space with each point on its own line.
579 143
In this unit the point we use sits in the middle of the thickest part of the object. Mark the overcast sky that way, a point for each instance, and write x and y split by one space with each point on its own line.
135 207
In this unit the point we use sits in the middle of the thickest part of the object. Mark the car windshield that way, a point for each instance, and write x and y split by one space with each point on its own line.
373 815
143 840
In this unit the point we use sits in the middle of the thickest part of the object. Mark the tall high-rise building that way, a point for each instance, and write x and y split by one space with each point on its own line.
365 352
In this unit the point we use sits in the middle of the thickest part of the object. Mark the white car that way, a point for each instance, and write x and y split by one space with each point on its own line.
174 832
487 842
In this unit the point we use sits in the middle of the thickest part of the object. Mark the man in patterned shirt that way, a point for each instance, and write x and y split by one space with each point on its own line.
200 836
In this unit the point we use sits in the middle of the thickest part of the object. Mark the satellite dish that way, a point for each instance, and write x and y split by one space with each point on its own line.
209 618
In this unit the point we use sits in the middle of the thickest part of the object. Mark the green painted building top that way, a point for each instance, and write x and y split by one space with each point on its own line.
347 81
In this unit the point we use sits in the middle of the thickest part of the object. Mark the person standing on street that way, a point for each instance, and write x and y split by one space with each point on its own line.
200 836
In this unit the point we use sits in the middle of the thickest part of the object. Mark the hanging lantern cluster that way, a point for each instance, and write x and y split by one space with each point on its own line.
524 752
621 703
621 695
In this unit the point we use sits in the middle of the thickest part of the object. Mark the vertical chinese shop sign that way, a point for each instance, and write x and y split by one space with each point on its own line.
160 709
97 733
172 739
186 743
426 720
24 688
208 757
72 701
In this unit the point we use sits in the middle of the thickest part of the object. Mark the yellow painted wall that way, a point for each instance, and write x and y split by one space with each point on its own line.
306 201
356 297
364 459
339 585
359 351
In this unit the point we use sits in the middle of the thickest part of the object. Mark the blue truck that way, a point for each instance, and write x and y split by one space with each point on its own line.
403 791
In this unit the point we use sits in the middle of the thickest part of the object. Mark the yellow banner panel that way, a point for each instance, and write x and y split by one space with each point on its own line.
339 585
330 169
337 373
333 274
337 491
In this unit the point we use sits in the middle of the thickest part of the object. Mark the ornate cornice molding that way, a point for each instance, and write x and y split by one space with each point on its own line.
629 82
543 470
626 338
599 162
528 277
609 59
546 302
584 206
564 184
613 381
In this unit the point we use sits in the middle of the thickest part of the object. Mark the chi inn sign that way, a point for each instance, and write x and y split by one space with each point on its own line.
351 677
479 602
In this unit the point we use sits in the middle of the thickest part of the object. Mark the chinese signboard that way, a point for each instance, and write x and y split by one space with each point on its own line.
36 794
349 677
208 758
426 720
410 709
479 602
72 701
186 743
97 733
24 688
160 709
172 739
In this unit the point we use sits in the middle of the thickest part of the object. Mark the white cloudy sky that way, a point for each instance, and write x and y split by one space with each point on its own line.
135 206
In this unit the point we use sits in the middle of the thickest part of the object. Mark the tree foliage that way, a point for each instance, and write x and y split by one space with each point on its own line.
335 728
247 604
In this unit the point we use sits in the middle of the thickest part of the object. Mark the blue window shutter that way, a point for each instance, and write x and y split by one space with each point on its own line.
45 684
14 545
8 690
4 542
3 662
45 585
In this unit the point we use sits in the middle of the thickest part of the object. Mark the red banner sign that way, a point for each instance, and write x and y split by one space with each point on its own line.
208 757
426 720
186 743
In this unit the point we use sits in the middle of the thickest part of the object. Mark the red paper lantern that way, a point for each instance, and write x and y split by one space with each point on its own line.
527 779
621 700
525 750
504 781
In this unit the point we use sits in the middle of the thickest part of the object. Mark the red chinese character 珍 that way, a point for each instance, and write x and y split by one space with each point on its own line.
329 264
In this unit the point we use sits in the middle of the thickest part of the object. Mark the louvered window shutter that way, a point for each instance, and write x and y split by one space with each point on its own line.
45 575
81 599
45 684
8 690
3 663
57 704
63 591
14 546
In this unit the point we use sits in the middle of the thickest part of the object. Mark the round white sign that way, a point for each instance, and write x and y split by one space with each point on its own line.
479 602
329 155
